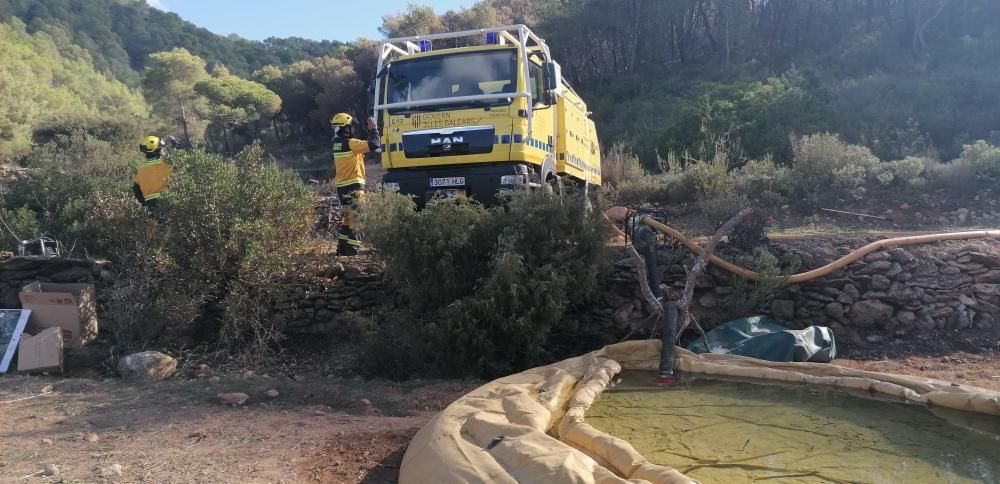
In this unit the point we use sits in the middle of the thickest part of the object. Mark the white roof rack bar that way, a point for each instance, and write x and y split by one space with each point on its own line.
518 34
469 33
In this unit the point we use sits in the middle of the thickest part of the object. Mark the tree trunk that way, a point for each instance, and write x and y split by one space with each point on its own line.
184 123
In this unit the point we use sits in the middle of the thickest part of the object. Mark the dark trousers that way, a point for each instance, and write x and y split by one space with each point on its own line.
348 238
153 206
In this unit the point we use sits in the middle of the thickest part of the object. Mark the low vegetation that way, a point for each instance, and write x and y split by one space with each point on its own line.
207 269
482 287
824 170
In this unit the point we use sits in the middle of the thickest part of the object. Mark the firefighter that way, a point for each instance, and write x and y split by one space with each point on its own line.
349 163
151 173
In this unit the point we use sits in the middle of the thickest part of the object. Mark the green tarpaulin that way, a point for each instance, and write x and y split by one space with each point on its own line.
762 338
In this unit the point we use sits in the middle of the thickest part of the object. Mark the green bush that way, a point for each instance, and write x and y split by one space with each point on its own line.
228 231
826 168
763 182
22 222
906 172
483 287
984 158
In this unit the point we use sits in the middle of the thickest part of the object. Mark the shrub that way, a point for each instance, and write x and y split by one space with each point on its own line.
19 222
620 165
825 167
908 171
956 175
659 189
762 181
483 287
984 158
230 228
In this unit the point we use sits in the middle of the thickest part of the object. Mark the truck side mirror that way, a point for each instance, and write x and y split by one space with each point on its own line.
552 82
553 76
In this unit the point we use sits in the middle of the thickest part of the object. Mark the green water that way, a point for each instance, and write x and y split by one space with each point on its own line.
734 432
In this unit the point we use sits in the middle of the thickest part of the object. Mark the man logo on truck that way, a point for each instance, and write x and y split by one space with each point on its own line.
447 141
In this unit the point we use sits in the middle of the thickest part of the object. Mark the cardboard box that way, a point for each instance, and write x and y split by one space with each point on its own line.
41 352
71 307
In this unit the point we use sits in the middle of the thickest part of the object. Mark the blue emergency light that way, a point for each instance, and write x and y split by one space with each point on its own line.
425 46
492 38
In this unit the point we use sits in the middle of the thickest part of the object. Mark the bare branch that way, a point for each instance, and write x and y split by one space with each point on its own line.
701 264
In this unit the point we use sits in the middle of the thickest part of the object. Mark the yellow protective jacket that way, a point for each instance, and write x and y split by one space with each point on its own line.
349 158
152 175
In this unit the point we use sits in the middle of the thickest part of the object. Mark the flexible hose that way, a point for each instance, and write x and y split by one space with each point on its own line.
831 267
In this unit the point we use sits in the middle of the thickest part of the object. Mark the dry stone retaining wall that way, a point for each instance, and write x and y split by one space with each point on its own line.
948 285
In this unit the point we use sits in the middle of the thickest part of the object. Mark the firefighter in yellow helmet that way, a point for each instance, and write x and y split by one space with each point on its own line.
349 163
151 173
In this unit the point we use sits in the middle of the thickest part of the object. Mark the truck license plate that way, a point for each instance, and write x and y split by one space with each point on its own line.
451 181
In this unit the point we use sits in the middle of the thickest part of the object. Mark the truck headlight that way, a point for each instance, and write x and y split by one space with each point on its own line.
390 186
510 180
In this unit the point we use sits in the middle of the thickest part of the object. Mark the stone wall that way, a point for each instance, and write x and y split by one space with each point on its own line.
330 302
17 272
945 285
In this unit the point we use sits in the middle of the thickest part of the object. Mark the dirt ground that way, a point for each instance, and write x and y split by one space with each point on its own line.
317 429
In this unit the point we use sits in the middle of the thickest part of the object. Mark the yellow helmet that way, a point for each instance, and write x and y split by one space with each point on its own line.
150 143
341 119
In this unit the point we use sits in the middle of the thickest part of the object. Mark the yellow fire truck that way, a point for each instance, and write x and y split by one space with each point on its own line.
479 120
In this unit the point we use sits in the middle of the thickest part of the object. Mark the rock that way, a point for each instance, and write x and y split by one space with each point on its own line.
623 313
984 320
272 393
902 256
50 470
366 402
92 438
906 318
951 270
880 282
967 300
894 271
877 267
232 399
46 441
852 291
46 389
963 321
708 300
149 365
783 309
869 312
834 310
900 294
991 277
987 260
112 470
988 289
723 290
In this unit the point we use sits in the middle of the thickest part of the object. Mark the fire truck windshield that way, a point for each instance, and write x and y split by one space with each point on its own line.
452 75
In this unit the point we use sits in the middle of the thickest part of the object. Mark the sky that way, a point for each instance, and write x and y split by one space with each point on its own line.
342 20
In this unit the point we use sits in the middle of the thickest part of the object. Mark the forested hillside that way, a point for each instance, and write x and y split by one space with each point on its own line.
47 89
669 79
120 34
